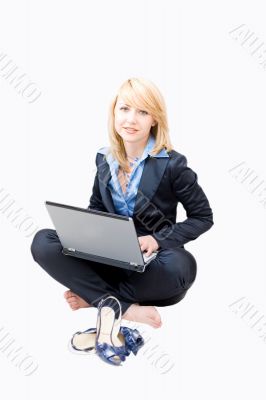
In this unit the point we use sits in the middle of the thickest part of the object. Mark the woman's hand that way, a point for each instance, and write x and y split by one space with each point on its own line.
148 244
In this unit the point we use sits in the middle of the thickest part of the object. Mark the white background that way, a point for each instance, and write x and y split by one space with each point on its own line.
78 54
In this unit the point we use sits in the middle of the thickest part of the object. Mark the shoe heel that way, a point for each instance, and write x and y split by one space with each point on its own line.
108 345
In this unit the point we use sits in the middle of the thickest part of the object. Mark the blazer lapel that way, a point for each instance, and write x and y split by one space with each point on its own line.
104 177
152 174
151 177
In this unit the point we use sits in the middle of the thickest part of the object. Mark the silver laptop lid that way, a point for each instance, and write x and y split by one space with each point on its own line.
95 232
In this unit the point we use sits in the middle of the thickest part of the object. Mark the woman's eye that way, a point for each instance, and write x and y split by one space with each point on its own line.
141 111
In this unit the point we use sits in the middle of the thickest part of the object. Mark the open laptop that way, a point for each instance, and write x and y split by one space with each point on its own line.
98 236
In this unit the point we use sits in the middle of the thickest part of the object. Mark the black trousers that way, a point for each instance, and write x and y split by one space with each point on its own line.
164 282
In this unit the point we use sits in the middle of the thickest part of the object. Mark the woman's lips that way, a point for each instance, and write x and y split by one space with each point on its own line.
130 130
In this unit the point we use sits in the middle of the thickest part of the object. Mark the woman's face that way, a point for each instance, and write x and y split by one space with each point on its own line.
132 124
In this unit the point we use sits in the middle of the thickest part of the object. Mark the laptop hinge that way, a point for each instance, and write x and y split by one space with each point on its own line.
133 263
71 249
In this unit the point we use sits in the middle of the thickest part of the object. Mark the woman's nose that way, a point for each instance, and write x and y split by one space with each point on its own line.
131 116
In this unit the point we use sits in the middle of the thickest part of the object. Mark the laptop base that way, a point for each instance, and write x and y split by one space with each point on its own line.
104 260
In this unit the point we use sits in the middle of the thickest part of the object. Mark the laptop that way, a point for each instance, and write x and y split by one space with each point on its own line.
98 236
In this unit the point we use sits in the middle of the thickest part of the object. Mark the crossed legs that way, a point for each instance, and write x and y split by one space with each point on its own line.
167 277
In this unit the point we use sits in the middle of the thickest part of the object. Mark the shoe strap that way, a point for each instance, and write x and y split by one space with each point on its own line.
101 303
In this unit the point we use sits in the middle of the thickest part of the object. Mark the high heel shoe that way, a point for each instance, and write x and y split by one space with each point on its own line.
109 347
84 342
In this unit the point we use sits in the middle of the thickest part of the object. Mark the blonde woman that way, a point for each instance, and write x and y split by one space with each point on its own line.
139 175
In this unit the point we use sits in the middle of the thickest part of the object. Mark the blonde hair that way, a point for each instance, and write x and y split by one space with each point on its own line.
143 94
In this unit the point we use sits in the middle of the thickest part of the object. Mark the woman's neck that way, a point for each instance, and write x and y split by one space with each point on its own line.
135 150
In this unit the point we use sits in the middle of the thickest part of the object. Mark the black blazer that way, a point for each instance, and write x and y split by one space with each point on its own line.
164 183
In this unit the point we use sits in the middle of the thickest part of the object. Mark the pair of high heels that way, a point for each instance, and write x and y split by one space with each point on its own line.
109 340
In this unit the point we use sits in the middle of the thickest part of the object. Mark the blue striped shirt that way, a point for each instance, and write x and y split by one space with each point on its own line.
124 202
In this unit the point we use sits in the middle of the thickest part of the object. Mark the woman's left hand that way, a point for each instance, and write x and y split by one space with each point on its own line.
148 244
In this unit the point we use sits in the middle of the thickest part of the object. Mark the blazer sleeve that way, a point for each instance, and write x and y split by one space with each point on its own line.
96 198
190 194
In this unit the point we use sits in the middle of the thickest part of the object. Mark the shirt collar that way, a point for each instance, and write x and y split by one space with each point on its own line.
150 145
147 151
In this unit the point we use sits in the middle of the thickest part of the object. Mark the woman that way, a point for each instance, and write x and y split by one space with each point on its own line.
142 176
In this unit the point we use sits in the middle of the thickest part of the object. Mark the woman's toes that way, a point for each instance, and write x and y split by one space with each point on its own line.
75 301
155 322
74 305
158 324
72 300
68 294
156 319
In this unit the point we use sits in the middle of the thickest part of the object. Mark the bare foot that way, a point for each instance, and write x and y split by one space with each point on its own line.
75 301
145 314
